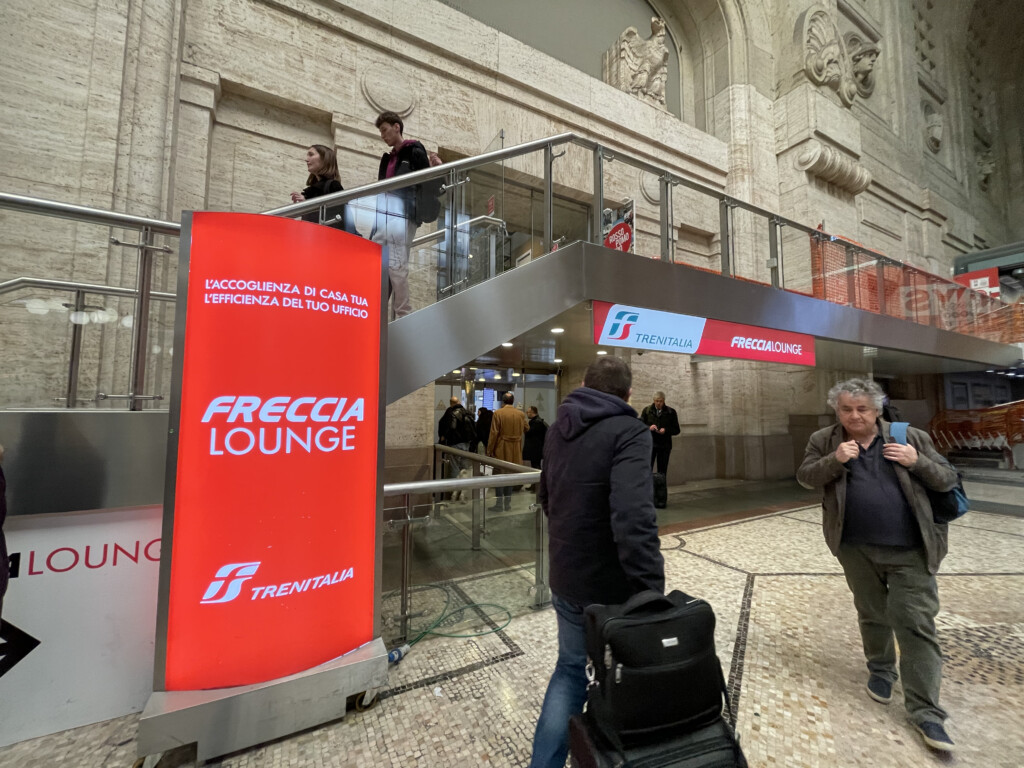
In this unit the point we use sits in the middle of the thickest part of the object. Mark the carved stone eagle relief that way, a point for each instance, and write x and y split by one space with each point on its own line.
639 66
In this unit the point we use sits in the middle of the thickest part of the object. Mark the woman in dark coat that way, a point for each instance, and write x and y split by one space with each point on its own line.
324 179
483 426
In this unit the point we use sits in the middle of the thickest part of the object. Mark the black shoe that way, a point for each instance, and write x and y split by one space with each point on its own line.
508 504
497 507
880 689
935 736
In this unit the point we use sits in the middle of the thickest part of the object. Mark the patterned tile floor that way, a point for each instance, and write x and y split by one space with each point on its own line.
787 638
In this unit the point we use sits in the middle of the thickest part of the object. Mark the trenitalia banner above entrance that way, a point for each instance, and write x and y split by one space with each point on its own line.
273 460
619 325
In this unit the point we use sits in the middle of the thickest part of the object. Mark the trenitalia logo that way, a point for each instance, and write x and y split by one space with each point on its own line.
242 573
626 320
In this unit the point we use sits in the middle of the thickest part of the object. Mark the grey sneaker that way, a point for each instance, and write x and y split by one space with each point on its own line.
935 736
880 689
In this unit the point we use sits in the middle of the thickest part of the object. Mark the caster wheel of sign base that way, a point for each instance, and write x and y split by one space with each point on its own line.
366 700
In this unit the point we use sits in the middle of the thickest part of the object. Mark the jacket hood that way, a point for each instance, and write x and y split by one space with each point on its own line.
585 407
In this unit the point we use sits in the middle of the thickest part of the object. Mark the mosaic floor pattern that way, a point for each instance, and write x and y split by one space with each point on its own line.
787 637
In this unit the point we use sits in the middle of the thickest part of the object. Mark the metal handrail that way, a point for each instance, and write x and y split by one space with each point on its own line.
520 477
25 204
466 164
18 283
417 177
148 227
439 233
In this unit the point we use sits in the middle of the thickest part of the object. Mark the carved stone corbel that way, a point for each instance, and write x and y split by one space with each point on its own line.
844 64
833 166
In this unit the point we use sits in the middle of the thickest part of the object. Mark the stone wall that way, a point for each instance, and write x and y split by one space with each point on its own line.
159 106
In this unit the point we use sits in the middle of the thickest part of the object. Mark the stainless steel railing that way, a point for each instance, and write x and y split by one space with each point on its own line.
454 175
407 519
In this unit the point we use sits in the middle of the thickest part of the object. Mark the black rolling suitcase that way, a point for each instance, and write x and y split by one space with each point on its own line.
652 667
660 491
713 746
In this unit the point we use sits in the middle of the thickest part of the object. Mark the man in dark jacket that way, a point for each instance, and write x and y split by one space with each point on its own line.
396 211
595 489
663 425
533 440
878 522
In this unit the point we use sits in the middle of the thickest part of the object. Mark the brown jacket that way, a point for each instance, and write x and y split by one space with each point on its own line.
821 469
506 439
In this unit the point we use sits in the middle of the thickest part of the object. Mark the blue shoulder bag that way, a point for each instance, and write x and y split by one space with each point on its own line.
947 506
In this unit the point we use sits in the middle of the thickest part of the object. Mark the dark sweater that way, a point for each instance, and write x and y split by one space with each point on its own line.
596 492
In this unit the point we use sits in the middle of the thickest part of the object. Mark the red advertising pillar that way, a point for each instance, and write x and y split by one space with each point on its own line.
273 492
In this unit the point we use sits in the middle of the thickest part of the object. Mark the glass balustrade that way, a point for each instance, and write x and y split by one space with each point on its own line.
79 337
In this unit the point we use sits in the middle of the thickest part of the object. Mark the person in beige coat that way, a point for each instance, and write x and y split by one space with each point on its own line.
506 443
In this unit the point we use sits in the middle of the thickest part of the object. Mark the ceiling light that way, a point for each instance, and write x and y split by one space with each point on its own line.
481 378
497 377
457 370
558 359
506 343
515 375
558 330
602 351
472 368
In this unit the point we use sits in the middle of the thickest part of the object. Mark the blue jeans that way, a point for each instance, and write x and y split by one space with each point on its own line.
567 690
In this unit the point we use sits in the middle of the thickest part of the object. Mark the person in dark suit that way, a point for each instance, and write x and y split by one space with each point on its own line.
664 425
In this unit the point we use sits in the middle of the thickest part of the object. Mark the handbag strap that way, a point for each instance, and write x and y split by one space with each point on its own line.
898 431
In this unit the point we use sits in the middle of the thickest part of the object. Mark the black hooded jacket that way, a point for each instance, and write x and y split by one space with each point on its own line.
596 492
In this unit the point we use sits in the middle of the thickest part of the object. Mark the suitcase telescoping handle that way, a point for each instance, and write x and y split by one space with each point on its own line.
645 600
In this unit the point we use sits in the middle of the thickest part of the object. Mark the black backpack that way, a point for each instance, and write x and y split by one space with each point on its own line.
462 427
428 200
652 669
466 427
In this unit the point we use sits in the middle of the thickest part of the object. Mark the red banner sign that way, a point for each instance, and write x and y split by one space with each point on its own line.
275 490
983 280
620 325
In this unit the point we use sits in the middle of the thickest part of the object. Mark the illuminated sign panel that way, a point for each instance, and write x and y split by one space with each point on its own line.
275 487
638 328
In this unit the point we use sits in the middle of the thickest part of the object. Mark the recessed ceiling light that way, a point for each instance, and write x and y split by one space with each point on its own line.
558 359
481 378
558 330
506 343
472 368
457 370
515 375
602 351
497 377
